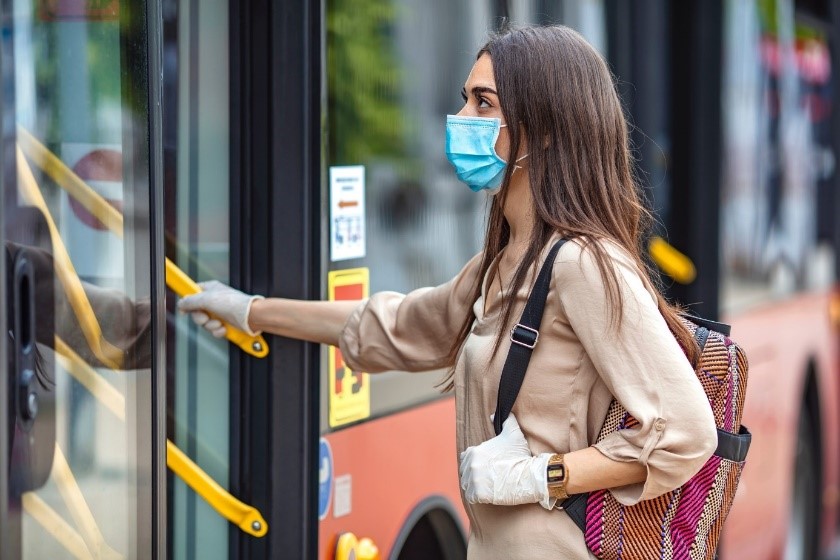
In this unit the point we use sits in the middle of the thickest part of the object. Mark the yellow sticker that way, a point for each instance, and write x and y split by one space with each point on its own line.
349 390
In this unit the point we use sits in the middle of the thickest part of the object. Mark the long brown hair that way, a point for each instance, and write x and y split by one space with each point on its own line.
559 88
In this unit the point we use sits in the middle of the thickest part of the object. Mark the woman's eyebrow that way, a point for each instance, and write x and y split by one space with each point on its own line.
478 90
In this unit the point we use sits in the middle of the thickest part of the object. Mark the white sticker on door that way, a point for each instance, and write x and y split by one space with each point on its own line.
343 500
347 212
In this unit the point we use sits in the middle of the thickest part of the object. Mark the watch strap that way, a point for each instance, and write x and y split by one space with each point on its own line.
557 475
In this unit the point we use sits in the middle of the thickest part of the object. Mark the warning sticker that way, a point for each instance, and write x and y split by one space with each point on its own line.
349 390
347 212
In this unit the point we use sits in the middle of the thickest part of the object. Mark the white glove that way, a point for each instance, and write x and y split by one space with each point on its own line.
502 471
218 301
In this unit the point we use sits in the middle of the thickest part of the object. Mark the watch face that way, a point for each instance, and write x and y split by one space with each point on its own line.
556 473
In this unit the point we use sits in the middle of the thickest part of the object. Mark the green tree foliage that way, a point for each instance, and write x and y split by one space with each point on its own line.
364 78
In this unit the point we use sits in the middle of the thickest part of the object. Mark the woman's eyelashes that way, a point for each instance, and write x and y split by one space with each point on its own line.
483 102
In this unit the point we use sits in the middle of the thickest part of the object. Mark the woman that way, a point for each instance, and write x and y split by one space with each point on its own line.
542 98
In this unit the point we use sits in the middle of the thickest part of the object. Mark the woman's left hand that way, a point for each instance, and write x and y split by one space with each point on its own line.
502 470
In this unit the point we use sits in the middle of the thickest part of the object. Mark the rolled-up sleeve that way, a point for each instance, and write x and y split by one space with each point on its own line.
644 368
413 332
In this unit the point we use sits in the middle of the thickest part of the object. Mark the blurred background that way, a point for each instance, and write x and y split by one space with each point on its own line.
736 140
222 131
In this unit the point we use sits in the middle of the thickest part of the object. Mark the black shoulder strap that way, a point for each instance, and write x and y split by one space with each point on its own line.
524 337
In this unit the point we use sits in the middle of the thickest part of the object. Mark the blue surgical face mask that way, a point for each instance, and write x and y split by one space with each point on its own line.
471 149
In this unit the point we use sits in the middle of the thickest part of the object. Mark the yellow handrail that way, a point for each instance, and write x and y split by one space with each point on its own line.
107 353
104 392
69 181
183 285
53 523
247 518
94 203
89 544
672 262
79 510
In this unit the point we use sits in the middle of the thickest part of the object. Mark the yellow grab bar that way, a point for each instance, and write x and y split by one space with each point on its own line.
104 392
56 526
183 285
176 279
671 261
245 517
69 181
107 353
79 510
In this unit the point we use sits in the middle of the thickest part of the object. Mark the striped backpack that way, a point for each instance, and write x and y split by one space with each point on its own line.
684 524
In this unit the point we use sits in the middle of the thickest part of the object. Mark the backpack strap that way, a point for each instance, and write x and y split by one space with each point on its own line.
575 508
524 337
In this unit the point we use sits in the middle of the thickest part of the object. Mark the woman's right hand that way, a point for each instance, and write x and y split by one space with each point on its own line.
217 302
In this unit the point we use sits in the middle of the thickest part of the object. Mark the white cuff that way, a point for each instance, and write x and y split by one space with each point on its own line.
245 322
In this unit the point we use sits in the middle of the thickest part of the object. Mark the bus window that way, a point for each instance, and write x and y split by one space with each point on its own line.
197 152
394 70
777 156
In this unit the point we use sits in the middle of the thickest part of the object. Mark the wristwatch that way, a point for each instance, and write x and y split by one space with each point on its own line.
557 475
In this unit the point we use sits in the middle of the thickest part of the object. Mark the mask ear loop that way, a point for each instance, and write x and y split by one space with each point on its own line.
515 167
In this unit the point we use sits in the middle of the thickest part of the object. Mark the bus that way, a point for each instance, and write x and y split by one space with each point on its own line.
735 127
295 149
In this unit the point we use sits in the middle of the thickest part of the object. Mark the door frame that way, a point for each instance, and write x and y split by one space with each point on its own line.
154 74
276 66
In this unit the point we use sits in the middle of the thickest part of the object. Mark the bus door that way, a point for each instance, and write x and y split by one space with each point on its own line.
197 209
82 465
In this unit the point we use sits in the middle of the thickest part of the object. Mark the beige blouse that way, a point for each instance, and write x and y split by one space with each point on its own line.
580 362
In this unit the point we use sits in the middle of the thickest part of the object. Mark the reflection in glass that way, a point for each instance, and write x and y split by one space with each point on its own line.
78 142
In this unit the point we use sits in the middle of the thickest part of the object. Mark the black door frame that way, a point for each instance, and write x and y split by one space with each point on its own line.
276 65
154 147
677 91
696 41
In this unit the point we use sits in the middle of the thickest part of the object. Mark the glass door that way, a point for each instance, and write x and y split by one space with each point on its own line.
197 208
83 281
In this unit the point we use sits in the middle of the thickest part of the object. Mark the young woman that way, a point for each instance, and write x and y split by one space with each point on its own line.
541 130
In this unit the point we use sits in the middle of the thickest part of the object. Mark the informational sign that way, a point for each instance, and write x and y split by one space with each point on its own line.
79 10
343 495
349 390
347 212
325 478
87 238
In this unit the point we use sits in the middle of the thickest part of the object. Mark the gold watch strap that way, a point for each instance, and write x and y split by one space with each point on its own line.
557 475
